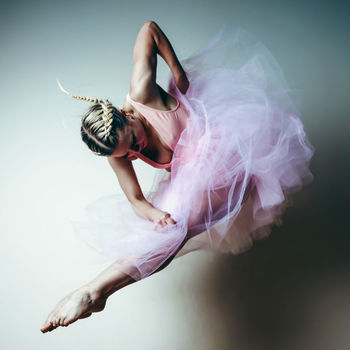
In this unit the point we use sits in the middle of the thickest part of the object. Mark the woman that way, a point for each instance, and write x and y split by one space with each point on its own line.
226 128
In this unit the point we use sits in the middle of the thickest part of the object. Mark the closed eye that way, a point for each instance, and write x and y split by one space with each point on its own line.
133 146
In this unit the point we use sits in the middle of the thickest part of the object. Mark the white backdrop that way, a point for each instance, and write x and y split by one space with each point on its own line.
288 292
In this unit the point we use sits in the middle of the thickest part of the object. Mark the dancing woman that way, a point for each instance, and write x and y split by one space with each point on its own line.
227 132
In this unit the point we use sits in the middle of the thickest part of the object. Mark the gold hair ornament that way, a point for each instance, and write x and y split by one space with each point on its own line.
107 115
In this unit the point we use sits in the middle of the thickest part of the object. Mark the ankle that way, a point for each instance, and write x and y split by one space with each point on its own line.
94 295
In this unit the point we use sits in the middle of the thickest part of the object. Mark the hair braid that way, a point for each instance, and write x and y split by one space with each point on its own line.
99 124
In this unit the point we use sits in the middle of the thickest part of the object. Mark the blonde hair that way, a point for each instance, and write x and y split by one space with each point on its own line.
100 124
100 139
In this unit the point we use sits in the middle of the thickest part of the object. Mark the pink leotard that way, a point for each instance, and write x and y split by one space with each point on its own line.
168 124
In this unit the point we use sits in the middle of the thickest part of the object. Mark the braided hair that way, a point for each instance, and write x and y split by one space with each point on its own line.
99 125
100 135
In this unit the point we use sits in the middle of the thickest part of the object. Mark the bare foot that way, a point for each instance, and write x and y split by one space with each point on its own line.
76 305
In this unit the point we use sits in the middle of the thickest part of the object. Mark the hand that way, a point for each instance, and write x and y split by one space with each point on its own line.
161 218
182 83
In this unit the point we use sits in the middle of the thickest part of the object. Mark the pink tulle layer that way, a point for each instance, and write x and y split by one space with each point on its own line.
243 151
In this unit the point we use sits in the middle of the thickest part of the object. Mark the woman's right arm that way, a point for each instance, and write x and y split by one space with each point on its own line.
151 41
166 51
125 172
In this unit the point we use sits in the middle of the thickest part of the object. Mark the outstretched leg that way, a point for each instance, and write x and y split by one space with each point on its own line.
92 297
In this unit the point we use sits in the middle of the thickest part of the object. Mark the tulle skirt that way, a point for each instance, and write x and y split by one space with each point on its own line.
243 152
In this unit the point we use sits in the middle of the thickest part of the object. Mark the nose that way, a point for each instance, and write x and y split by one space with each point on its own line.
139 145
135 149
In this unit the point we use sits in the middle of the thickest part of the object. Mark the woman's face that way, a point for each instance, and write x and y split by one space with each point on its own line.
132 139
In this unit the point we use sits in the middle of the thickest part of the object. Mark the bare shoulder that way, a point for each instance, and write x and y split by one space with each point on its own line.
127 107
158 99
145 94
118 163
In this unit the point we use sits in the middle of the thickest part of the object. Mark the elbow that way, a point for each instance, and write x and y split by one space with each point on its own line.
154 31
150 24
151 27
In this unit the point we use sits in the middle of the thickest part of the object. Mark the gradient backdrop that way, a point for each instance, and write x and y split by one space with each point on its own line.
289 292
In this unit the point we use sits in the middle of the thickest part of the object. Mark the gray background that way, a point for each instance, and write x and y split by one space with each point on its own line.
290 291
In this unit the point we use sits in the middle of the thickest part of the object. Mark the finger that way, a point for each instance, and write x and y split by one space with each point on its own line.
162 222
170 221
166 220
159 225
